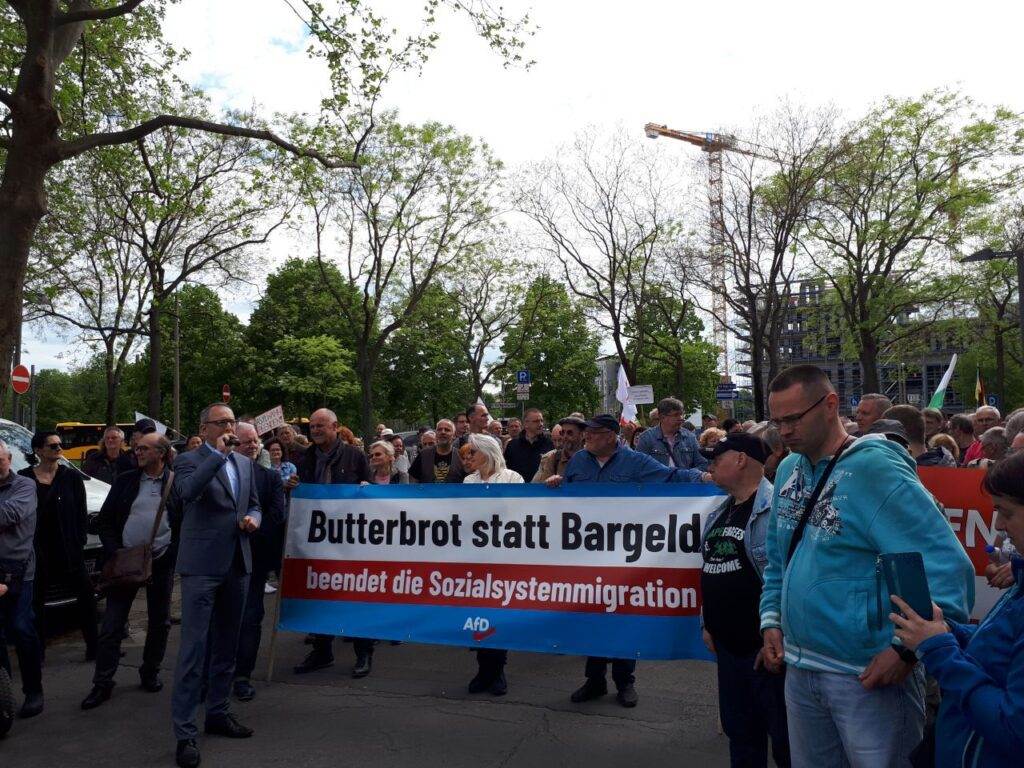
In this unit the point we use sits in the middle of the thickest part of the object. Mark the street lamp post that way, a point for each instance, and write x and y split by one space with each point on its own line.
987 254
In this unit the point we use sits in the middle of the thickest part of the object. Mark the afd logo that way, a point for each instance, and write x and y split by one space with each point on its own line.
480 627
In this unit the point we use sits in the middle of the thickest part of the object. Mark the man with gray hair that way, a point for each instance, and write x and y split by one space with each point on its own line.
672 445
1014 424
102 463
993 447
983 420
17 573
870 409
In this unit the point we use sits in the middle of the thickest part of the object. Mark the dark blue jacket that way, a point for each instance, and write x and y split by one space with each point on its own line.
268 540
624 466
980 670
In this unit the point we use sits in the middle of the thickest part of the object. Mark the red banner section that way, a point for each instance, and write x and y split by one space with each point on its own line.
967 506
629 590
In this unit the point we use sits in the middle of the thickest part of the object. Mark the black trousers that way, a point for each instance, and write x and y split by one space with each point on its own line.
491 661
158 625
324 645
752 705
622 670
85 600
17 625
252 626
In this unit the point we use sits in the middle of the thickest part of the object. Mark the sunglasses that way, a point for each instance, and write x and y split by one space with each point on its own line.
54 446
223 423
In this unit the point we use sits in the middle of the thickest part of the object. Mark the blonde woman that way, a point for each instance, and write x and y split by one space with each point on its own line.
382 465
709 438
485 464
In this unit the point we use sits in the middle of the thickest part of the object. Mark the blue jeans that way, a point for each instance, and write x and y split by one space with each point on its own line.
18 624
834 721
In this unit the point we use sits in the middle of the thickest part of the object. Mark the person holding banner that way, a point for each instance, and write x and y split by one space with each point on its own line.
487 465
854 694
751 699
604 460
980 668
331 460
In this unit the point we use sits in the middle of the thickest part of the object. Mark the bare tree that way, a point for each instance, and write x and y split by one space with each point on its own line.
767 193
605 209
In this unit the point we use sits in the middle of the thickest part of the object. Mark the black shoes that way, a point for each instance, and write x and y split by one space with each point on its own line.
627 696
490 682
187 754
313 662
98 695
594 688
33 705
227 725
243 690
363 665
151 683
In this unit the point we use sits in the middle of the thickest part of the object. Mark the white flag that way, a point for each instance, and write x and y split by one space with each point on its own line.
622 395
161 428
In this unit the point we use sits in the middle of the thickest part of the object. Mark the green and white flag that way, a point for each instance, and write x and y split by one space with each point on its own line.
940 393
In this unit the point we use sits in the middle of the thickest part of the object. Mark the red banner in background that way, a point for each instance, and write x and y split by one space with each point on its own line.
969 510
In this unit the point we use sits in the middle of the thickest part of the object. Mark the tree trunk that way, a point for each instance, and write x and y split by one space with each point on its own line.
153 378
678 376
108 369
364 368
870 381
757 379
1000 354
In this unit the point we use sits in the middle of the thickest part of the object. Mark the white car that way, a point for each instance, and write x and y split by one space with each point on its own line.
19 440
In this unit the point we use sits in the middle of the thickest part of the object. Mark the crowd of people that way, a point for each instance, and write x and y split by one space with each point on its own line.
812 664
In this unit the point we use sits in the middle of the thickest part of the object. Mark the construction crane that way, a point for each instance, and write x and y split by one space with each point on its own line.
714 144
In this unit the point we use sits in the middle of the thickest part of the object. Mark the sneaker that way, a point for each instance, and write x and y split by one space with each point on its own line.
313 661
627 696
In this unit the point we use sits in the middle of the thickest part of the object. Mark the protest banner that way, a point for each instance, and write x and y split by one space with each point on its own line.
969 511
269 420
603 570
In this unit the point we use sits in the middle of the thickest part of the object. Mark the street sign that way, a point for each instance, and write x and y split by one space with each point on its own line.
523 396
269 420
727 386
522 389
523 377
992 400
854 401
641 394
913 397
21 379
727 395
225 393
504 405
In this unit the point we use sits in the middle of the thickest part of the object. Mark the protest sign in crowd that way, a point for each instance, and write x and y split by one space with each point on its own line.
829 567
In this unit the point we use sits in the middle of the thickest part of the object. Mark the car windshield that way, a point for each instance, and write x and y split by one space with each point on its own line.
19 440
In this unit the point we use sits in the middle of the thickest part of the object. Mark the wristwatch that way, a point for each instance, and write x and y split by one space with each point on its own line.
905 654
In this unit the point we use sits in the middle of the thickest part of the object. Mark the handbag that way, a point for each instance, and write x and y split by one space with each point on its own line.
133 566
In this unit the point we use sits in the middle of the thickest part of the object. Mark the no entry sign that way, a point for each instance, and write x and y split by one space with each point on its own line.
21 379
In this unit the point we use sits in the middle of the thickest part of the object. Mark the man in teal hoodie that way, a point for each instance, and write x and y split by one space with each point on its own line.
854 695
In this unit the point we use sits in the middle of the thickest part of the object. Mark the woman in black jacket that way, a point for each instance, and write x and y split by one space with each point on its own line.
62 519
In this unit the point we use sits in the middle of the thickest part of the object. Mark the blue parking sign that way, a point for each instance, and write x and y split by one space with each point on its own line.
522 377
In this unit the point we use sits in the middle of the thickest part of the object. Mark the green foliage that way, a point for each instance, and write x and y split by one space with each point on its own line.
425 376
75 395
560 351
315 368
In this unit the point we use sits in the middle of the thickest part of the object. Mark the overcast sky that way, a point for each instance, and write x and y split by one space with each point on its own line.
695 66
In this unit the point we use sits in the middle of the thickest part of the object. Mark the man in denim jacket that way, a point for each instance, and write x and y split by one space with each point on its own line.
668 442
751 700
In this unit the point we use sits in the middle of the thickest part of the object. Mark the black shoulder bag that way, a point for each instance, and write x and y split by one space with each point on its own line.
798 532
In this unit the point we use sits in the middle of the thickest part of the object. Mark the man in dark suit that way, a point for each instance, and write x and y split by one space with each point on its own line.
127 519
220 512
331 460
266 556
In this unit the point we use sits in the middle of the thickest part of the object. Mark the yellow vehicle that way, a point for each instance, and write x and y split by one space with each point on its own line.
79 439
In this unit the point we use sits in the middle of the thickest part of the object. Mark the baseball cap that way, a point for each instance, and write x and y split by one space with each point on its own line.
752 445
603 421
145 426
892 429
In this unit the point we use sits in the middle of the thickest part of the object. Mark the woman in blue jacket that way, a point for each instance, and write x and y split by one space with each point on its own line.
980 669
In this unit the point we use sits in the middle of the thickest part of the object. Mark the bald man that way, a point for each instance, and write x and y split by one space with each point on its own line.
330 460
983 420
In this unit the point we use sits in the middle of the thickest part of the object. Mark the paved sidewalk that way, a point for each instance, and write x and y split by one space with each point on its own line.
412 711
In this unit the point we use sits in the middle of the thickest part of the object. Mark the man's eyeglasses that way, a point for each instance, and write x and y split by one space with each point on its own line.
223 423
792 421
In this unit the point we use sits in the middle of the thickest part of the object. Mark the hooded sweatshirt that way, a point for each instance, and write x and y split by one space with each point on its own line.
981 672
831 603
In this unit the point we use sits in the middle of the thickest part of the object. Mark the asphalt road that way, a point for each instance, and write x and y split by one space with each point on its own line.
412 711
